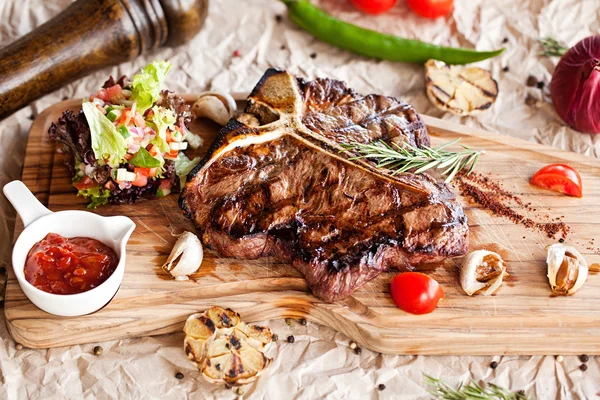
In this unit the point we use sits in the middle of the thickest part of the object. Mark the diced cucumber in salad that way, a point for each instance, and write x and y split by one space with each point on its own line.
135 143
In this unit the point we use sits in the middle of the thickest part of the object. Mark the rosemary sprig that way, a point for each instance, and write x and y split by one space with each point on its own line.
471 391
552 47
407 157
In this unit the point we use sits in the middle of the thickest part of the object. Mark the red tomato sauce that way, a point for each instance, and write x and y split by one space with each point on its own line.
59 265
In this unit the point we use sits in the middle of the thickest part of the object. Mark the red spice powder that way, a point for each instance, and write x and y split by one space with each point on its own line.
493 197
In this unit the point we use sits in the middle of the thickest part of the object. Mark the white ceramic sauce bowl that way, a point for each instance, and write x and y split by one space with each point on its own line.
39 221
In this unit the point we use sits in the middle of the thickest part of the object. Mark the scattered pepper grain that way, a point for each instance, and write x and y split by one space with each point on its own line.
353 345
19 346
303 322
505 40
98 350
289 322
494 364
179 375
381 387
358 350
584 358
275 337
559 358
540 85
278 18
583 367
291 339
239 391
313 55
561 240
506 69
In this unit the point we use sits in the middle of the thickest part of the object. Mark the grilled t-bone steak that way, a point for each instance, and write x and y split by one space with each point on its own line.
281 186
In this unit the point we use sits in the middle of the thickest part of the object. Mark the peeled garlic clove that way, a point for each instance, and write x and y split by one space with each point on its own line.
567 269
482 269
217 106
185 258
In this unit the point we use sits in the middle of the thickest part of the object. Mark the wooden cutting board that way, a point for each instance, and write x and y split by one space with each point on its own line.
522 318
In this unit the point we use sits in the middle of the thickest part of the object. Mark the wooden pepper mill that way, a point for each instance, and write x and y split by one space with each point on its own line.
87 36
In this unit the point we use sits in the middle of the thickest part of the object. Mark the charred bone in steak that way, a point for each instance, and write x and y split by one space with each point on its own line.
281 187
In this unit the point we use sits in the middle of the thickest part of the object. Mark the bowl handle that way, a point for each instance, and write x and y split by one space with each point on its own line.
27 205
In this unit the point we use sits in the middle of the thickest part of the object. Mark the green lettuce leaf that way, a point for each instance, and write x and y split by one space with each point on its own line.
183 166
144 159
109 145
161 119
147 84
96 195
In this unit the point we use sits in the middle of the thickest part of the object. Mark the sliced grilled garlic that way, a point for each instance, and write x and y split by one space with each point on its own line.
567 269
185 258
458 89
218 106
224 348
248 119
482 269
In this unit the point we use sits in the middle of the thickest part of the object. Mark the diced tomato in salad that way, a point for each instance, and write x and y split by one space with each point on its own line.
112 94
140 180
149 172
85 183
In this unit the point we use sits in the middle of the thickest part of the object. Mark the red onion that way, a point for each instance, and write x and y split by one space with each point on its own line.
575 85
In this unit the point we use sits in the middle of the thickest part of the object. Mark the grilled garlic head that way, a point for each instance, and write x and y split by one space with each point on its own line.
224 348
567 269
218 106
458 89
185 258
482 269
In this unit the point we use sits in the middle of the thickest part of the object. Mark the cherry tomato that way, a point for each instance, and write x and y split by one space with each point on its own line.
559 178
85 183
431 8
416 293
373 6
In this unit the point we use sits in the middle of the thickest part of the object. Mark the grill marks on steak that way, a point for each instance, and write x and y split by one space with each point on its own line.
285 189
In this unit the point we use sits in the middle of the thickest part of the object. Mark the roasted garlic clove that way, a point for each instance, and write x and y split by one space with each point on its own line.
185 258
567 269
482 269
217 106
459 89
225 349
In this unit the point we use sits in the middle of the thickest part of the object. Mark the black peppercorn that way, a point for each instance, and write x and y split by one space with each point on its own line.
278 18
494 364
584 358
561 240
291 339
303 321
540 85
583 367
32 117
313 55
179 375
275 337
358 350
98 350
381 386
505 40
282 47
506 69
532 81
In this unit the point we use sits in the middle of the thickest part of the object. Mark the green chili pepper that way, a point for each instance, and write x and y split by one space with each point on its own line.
374 44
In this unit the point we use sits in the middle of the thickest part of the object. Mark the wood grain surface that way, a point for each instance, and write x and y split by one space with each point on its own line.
521 318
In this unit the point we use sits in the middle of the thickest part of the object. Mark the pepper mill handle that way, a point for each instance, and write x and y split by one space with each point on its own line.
87 36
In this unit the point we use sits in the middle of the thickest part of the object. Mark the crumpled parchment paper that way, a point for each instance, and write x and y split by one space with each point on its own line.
319 363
